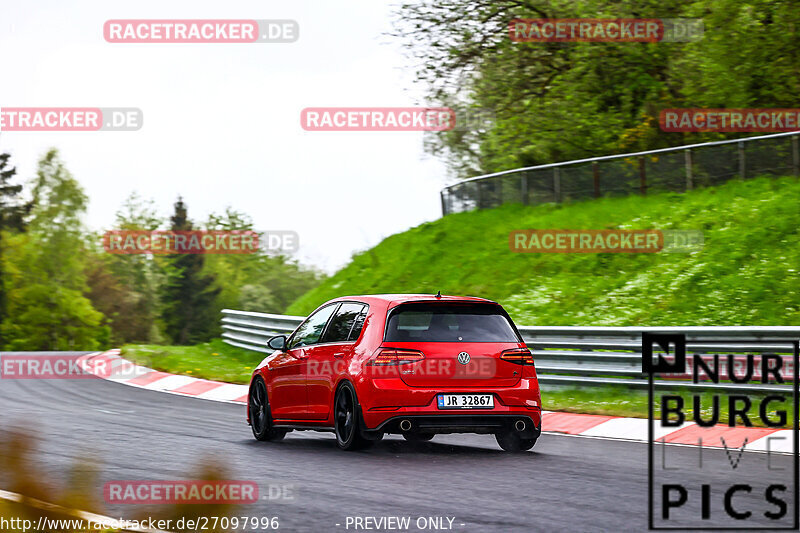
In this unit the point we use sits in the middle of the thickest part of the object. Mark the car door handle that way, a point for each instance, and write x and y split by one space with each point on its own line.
339 355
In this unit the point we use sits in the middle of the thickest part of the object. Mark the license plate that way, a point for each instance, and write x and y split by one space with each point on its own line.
465 401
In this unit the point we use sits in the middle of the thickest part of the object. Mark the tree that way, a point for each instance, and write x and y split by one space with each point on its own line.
560 101
12 213
189 313
125 287
261 282
231 271
47 306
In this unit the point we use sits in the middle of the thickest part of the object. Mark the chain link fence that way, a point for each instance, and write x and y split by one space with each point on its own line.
675 169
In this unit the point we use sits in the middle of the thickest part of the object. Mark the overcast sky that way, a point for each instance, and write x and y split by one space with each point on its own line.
222 121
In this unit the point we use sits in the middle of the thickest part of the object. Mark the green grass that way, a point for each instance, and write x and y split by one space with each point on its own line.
748 272
609 401
619 401
213 360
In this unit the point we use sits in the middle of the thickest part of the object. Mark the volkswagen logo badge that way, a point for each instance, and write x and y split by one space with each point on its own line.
463 358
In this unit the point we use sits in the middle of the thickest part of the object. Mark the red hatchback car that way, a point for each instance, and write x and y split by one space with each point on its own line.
416 365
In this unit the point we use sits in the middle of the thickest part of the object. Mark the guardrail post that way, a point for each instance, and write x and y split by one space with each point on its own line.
524 188
795 156
498 188
689 174
642 177
742 165
556 185
477 194
596 178
444 204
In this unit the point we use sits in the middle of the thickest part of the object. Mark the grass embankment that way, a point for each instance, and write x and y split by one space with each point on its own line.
211 360
748 271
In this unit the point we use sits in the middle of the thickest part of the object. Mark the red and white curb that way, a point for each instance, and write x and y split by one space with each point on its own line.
689 434
109 365
112 367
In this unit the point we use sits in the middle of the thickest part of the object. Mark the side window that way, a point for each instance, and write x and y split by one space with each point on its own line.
358 324
341 325
310 331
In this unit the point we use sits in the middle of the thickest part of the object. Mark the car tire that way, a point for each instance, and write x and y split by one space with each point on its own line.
510 441
347 420
418 437
260 415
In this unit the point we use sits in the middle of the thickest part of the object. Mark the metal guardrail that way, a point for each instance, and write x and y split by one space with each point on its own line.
676 169
575 356
611 356
252 330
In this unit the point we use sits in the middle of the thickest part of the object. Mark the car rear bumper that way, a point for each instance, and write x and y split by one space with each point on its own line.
524 424
384 400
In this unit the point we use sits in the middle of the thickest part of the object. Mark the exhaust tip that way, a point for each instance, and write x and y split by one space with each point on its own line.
519 425
405 425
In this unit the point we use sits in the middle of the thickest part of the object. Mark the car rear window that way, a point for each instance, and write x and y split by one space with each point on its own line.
449 323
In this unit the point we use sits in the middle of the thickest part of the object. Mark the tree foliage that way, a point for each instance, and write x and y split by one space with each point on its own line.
262 282
65 292
189 294
560 101
12 212
126 287
47 305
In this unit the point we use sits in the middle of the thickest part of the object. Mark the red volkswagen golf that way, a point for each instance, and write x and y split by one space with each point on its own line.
416 365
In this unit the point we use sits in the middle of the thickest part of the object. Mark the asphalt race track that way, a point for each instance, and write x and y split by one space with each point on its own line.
564 484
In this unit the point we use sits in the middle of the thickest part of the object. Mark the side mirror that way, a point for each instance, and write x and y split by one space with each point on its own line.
278 342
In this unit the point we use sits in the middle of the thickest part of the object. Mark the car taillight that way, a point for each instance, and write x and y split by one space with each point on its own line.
396 356
520 356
